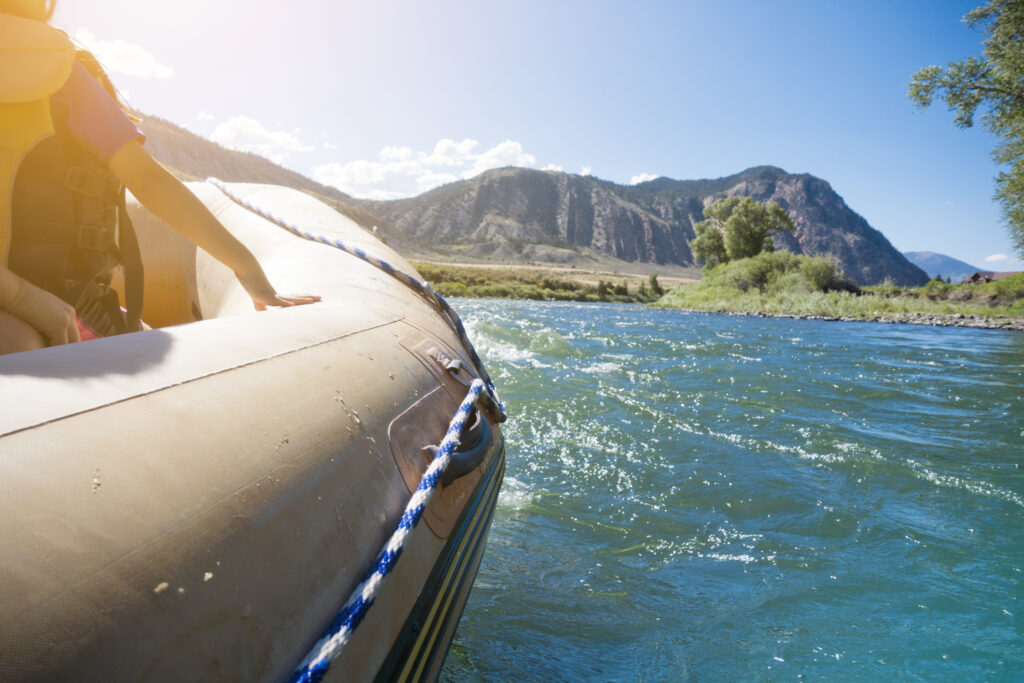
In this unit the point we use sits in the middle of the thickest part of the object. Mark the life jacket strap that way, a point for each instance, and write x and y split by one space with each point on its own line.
84 181
98 307
131 259
96 237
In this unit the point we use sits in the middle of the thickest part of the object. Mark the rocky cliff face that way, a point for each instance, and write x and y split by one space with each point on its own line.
826 225
523 214
516 213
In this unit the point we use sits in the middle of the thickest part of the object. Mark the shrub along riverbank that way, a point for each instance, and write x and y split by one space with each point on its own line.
773 284
785 284
498 283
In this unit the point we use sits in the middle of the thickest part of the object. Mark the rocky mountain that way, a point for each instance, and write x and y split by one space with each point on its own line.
940 264
523 214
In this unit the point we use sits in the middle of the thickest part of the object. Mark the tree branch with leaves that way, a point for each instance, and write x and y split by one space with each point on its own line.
993 84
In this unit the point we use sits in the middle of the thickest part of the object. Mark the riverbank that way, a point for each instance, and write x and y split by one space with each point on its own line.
935 319
781 284
998 306
552 283
956 307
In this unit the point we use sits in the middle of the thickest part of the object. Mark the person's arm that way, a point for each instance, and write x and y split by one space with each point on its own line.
51 316
168 199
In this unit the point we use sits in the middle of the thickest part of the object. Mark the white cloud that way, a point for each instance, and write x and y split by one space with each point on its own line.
552 167
586 170
642 178
996 257
396 154
450 153
205 116
382 179
403 172
507 153
249 135
122 57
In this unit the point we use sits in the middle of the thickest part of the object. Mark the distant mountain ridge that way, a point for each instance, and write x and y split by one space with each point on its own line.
525 215
192 157
939 264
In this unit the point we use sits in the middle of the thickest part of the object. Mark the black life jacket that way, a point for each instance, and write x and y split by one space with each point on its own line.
70 229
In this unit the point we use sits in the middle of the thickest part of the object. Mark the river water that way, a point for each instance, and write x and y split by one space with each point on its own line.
708 497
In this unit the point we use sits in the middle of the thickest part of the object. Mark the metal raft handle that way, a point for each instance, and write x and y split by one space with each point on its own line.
475 443
454 367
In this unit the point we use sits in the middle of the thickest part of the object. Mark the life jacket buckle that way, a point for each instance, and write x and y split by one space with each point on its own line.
96 237
84 181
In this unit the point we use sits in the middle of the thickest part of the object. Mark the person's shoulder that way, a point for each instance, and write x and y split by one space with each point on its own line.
95 117
82 84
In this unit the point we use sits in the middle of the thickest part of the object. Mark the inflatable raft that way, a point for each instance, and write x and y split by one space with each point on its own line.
198 501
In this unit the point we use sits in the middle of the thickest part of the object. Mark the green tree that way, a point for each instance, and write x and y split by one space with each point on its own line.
738 227
656 288
994 83
709 245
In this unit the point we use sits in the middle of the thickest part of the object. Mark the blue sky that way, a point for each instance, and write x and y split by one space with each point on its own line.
387 99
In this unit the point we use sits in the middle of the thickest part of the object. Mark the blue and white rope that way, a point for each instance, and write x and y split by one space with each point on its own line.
419 286
327 649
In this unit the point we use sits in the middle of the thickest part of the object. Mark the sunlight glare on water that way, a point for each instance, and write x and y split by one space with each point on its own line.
707 497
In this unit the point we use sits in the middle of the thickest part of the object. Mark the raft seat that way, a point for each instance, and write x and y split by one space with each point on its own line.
171 291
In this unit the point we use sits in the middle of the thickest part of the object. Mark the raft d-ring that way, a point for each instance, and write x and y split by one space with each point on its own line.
475 443
454 367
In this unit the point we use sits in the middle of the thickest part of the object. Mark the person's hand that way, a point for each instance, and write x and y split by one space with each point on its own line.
51 316
263 293
284 300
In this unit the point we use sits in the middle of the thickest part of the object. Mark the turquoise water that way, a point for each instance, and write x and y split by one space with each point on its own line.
705 497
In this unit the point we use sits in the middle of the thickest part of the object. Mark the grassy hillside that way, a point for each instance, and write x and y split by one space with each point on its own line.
191 157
